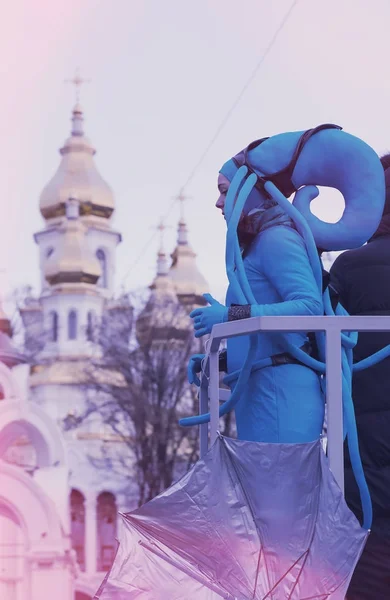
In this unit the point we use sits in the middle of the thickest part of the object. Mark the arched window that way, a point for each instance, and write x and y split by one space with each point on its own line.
22 451
72 325
101 256
106 530
49 252
91 325
53 326
77 526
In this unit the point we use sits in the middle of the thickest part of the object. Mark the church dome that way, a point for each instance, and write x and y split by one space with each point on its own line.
162 286
188 281
163 318
72 261
78 176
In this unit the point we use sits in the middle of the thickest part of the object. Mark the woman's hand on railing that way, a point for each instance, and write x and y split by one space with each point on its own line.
208 316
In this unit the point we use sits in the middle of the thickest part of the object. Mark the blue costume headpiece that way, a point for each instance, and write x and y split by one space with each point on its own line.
324 156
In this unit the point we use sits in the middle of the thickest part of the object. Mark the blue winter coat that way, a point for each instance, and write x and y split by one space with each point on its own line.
284 403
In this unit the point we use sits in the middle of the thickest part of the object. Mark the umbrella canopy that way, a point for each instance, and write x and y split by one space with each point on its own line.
250 521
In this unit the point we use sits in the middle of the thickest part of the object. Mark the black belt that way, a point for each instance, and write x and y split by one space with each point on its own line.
283 358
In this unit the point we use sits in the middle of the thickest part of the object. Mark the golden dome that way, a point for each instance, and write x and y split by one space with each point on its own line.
77 175
162 318
72 260
162 285
188 281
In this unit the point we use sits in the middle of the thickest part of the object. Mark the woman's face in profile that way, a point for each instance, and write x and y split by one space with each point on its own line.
254 199
223 186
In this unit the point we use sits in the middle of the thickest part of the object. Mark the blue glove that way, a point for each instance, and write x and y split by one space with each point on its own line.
207 316
194 367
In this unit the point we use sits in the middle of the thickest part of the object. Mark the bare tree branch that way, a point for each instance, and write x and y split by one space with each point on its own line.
138 387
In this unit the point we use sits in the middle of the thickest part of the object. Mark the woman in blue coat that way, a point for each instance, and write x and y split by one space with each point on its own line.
284 402
281 403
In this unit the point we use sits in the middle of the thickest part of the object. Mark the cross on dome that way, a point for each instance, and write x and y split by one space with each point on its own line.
161 227
181 198
162 265
77 81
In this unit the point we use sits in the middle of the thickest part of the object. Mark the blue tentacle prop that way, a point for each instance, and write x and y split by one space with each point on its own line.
372 360
231 201
234 266
232 214
348 342
227 406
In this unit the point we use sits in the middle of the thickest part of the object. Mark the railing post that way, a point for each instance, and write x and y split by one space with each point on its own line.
334 401
204 408
214 395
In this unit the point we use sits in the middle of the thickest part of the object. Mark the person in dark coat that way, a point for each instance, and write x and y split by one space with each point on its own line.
362 279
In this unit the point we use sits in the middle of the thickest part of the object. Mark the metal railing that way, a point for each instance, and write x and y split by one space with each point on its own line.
211 394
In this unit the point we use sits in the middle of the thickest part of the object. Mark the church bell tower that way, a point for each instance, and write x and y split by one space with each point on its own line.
77 264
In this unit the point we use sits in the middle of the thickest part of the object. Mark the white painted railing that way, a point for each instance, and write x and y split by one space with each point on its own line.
211 394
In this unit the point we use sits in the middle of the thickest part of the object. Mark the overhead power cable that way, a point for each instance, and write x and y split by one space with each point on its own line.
217 132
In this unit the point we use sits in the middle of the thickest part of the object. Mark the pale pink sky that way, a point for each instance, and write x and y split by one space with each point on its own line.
164 73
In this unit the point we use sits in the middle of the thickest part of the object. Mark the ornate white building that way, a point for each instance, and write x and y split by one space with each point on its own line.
77 264
59 510
36 557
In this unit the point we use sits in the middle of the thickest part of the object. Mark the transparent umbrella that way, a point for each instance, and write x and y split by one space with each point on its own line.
250 521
